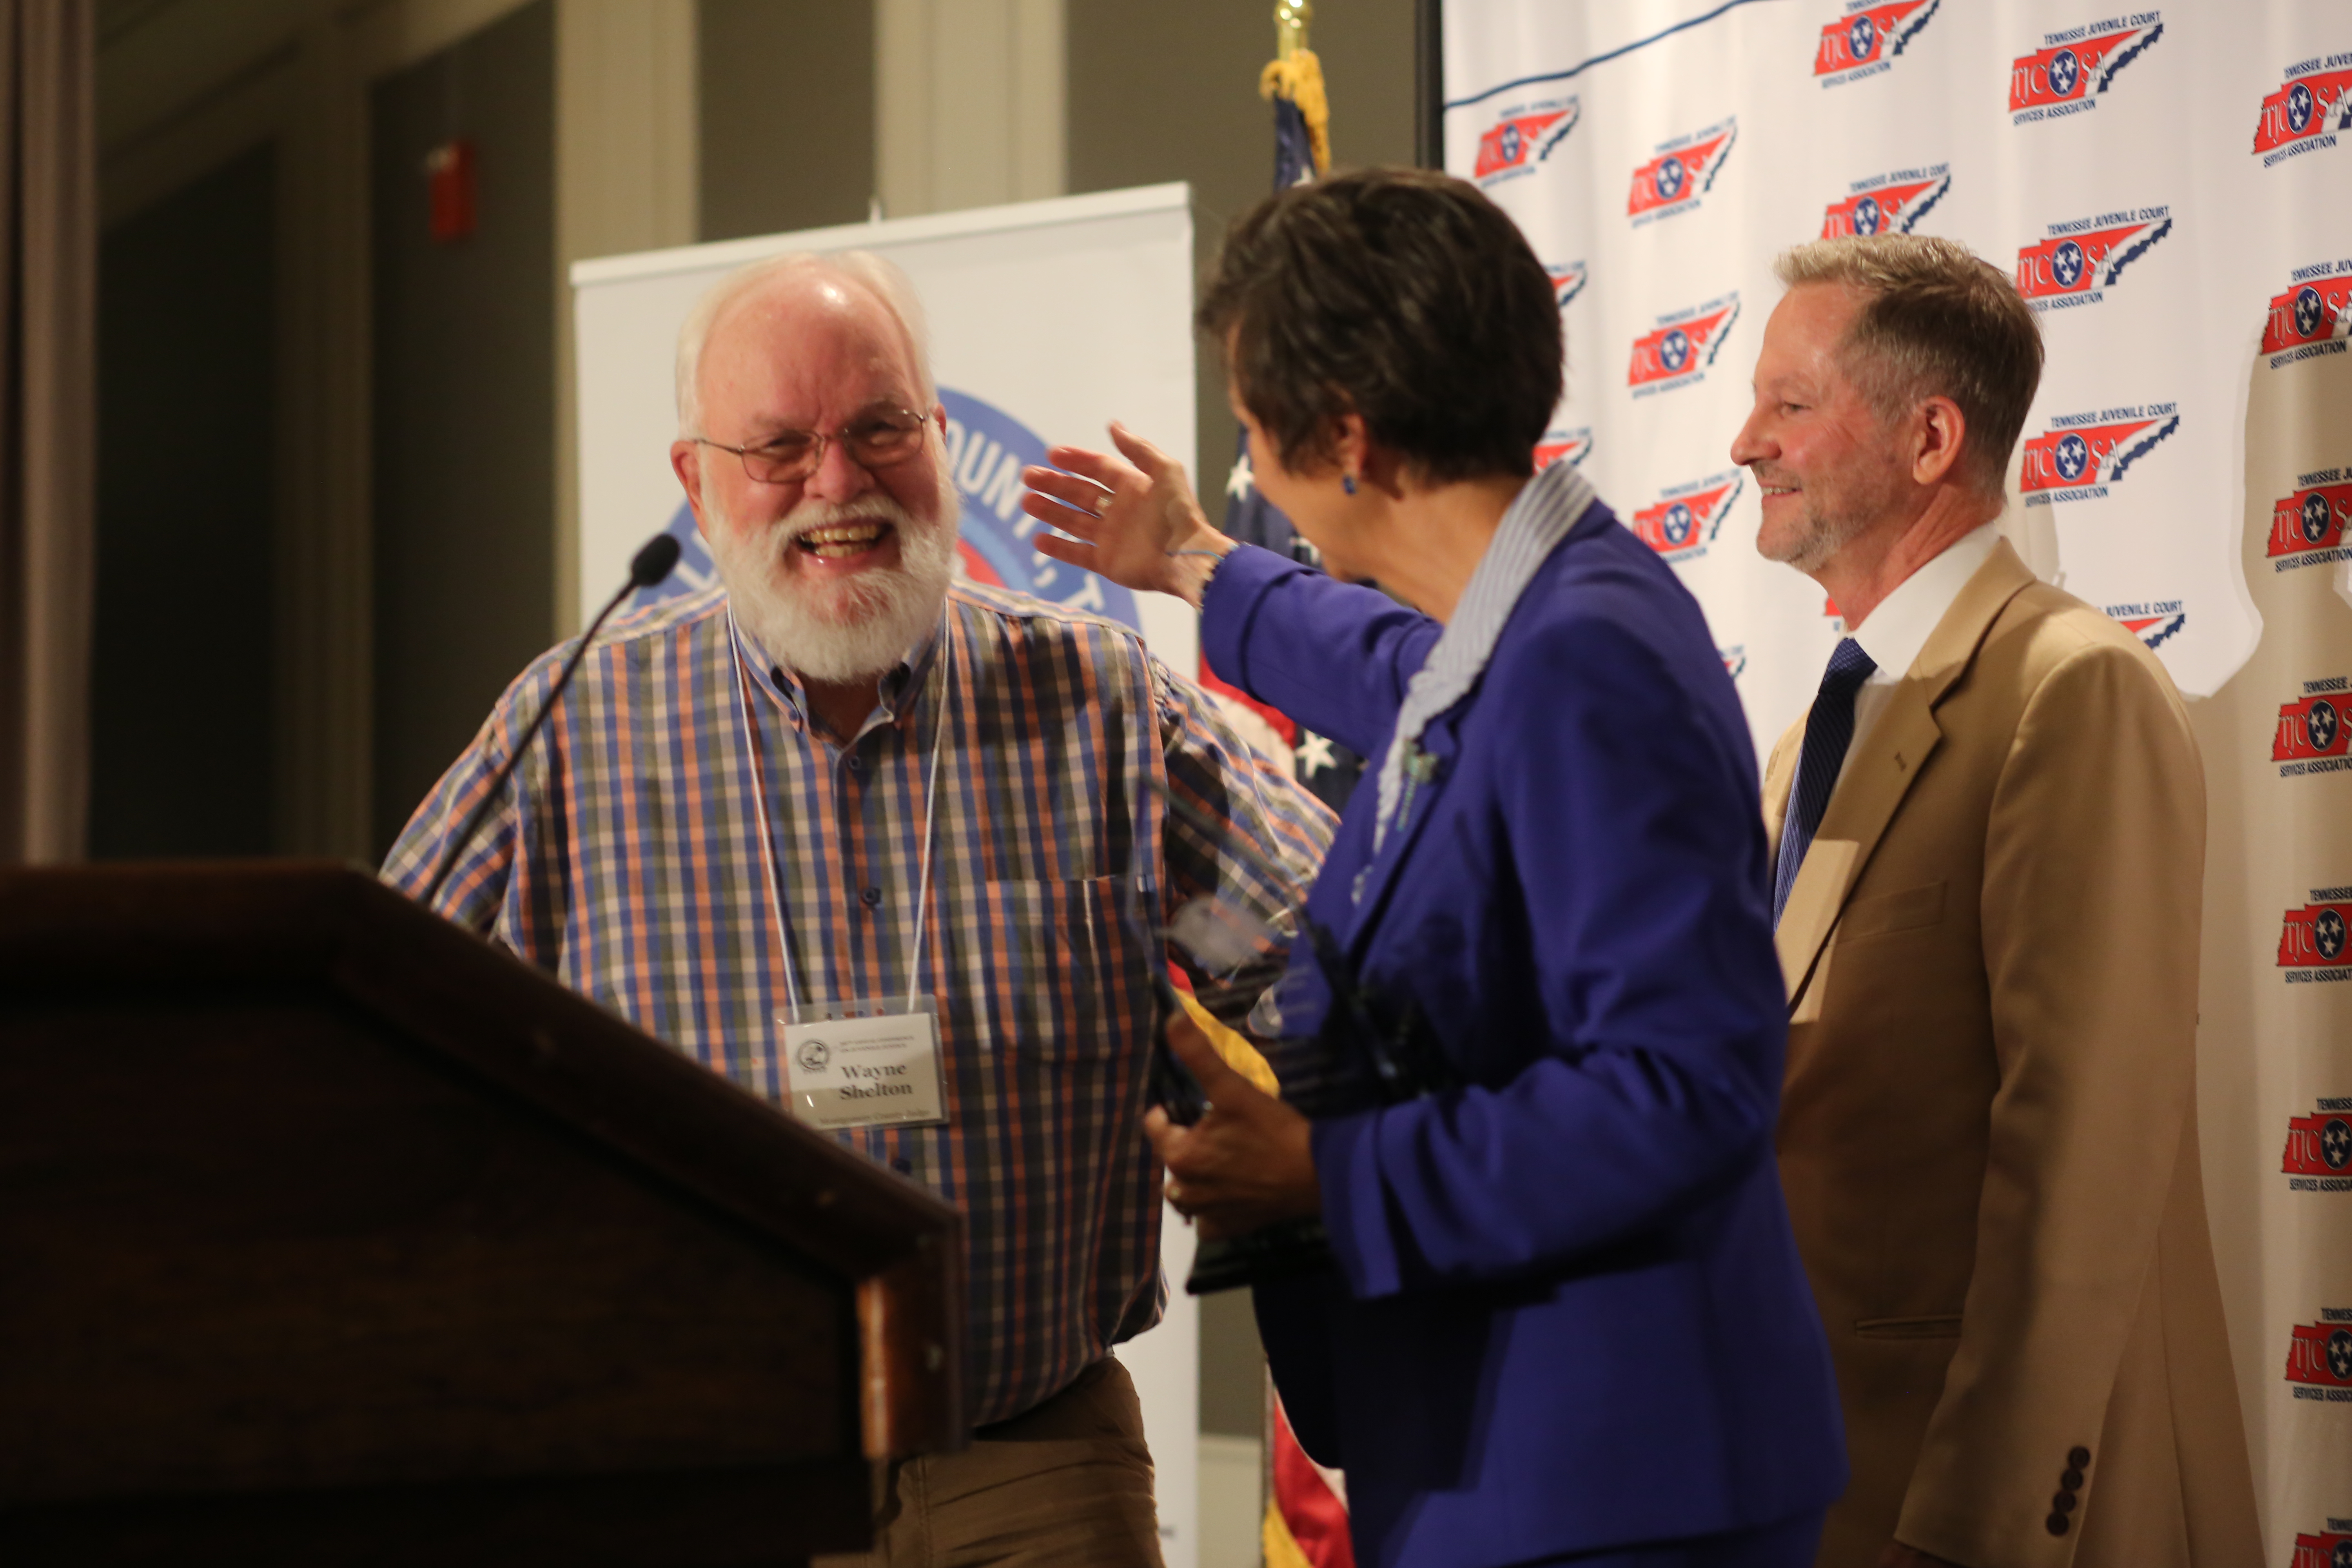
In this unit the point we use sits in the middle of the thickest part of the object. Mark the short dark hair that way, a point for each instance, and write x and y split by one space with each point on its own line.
1936 321
1401 295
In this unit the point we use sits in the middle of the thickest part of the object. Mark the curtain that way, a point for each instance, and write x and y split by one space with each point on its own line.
48 248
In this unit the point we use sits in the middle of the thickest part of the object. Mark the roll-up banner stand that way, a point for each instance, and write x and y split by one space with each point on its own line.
2168 185
1047 321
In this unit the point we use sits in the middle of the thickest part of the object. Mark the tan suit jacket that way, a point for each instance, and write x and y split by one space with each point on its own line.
1989 1131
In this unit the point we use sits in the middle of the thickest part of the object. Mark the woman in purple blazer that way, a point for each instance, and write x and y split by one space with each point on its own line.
1566 1321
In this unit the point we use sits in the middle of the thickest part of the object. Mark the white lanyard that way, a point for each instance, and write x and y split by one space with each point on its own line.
767 846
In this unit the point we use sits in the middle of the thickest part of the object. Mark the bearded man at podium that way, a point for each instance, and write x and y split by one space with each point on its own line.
892 849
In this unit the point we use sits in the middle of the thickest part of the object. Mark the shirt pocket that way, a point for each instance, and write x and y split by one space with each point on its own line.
1881 914
1946 1327
1052 971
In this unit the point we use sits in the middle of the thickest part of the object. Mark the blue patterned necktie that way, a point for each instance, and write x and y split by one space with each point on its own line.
1829 730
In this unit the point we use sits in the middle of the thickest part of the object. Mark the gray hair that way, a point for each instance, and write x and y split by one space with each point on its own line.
1936 321
868 271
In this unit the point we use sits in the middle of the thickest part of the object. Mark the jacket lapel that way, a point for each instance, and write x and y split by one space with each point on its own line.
1439 745
1880 767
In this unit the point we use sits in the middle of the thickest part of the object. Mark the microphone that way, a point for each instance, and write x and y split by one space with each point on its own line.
650 565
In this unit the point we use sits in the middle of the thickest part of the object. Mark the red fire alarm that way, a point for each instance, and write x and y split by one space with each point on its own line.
450 176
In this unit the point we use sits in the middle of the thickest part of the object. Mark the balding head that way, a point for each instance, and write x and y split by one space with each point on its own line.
781 282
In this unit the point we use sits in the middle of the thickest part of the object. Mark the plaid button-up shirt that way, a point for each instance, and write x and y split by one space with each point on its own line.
624 859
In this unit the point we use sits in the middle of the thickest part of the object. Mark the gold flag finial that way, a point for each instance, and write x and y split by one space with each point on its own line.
1291 18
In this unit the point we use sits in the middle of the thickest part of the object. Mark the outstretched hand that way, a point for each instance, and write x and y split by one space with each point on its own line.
1122 515
1247 1163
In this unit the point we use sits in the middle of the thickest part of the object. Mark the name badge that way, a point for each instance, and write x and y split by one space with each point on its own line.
865 1063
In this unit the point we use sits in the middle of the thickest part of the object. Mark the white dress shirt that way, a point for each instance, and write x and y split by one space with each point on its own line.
1896 631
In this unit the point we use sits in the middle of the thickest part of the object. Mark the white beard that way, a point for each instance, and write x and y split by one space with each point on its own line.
855 631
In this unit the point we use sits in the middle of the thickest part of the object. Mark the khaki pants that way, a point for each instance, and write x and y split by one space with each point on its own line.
1066 1482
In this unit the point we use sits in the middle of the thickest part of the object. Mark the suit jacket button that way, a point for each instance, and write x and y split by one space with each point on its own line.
2078 1458
2064 1502
2071 1480
2055 1524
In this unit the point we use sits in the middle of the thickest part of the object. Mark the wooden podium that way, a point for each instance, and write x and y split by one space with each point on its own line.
331 1234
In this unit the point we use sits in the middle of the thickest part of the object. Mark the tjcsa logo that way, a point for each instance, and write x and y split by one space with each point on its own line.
2311 938
2314 730
2313 101
2075 66
1867 38
2307 528
1684 520
1570 447
2319 1147
1683 172
1886 203
2314 317
2082 454
2319 1357
1677 351
2154 622
2078 261
2331 1548
1568 281
1522 136
1735 659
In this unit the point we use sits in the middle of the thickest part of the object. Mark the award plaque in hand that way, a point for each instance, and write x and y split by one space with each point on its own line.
1385 1056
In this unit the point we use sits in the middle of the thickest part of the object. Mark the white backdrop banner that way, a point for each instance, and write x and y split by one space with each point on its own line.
1049 319
2168 186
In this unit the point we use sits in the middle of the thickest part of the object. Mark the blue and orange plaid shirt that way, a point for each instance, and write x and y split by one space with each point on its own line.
624 859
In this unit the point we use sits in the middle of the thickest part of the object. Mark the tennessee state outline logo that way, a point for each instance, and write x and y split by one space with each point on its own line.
1892 203
2313 317
1681 173
2311 938
2314 730
2319 1357
2155 621
2079 456
2076 66
1868 40
987 449
2313 101
1564 445
1684 520
1522 136
2319 1148
1568 281
2307 528
1677 351
2076 262
2330 1548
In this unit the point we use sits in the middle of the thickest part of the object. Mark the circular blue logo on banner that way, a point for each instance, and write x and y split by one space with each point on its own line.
1860 37
1867 216
987 449
2314 518
2309 311
1678 524
2065 70
2066 265
2073 457
1668 180
2298 107
2319 725
1674 352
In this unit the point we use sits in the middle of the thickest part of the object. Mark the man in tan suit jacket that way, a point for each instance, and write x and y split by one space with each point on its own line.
1987 908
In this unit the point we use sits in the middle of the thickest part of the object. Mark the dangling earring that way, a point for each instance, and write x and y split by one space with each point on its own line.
1347 483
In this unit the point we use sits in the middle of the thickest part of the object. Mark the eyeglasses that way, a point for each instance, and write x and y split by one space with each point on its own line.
872 441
